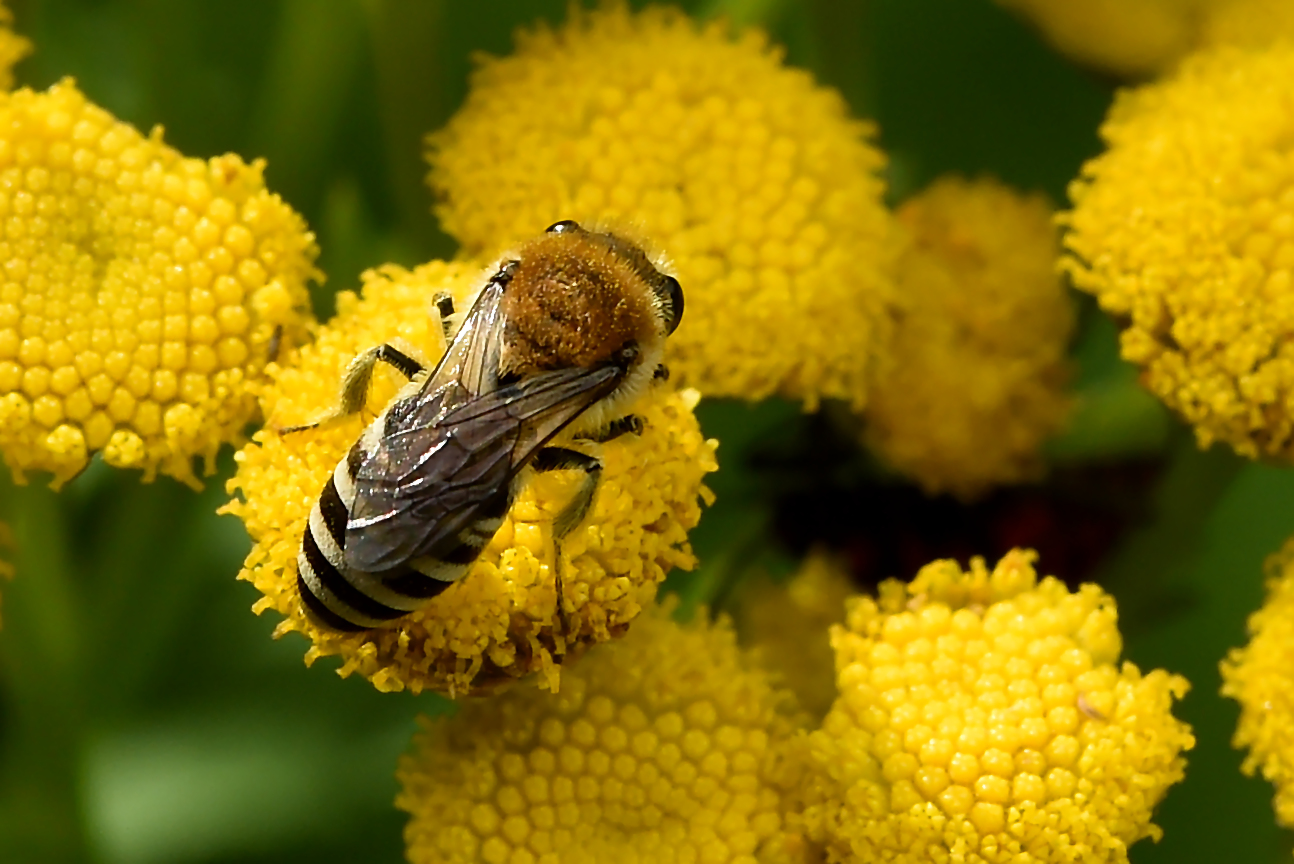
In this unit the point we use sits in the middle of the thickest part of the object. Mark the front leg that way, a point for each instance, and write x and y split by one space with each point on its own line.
354 384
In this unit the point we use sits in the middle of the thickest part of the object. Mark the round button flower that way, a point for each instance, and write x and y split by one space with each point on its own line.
982 717
1260 677
140 291
978 375
1184 230
1134 38
12 48
500 621
762 188
786 626
657 748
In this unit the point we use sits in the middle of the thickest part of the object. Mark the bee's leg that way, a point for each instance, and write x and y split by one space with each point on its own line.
276 342
354 384
444 306
564 459
661 373
620 426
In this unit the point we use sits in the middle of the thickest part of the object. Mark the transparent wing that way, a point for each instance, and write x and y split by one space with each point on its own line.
429 481
471 361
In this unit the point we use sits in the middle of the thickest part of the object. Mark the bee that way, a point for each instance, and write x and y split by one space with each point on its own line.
563 337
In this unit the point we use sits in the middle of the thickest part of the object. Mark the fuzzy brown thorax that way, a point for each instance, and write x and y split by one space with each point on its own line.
574 300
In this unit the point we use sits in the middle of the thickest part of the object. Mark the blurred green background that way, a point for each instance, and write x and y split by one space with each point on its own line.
146 716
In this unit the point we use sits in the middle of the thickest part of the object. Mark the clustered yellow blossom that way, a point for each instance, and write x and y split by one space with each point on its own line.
12 48
982 718
1184 230
757 181
1139 38
139 291
499 622
1127 37
657 749
1247 23
979 373
787 625
1260 677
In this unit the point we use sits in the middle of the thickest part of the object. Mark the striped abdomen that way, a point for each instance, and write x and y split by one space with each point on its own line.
342 598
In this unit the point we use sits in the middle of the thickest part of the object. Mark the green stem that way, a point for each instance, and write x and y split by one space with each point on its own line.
412 73
41 811
315 64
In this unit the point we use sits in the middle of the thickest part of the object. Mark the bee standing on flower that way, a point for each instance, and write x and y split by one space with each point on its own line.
563 337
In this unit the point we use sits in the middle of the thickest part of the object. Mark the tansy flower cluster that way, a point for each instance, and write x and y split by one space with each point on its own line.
1139 38
500 622
1127 37
12 48
982 718
659 747
1184 230
786 626
1260 677
760 187
140 292
979 378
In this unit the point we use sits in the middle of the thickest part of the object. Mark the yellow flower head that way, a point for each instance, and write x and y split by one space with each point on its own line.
1184 230
139 293
787 626
979 374
12 48
499 622
658 748
1127 37
982 717
1260 677
758 182
1248 23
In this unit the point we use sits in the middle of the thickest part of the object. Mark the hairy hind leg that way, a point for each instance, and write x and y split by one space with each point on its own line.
359 374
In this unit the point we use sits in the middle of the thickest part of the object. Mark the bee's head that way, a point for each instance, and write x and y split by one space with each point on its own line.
577 298
665 288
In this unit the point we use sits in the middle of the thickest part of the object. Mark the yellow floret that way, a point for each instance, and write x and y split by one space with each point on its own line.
1139 38
787 626
12 48
1260 677
498 623
979 373
1184 230
755 179
658 748
1127 37
1248 23
982 718
139 291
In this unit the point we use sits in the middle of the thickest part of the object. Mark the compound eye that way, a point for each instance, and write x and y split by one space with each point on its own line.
673 295
563 227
